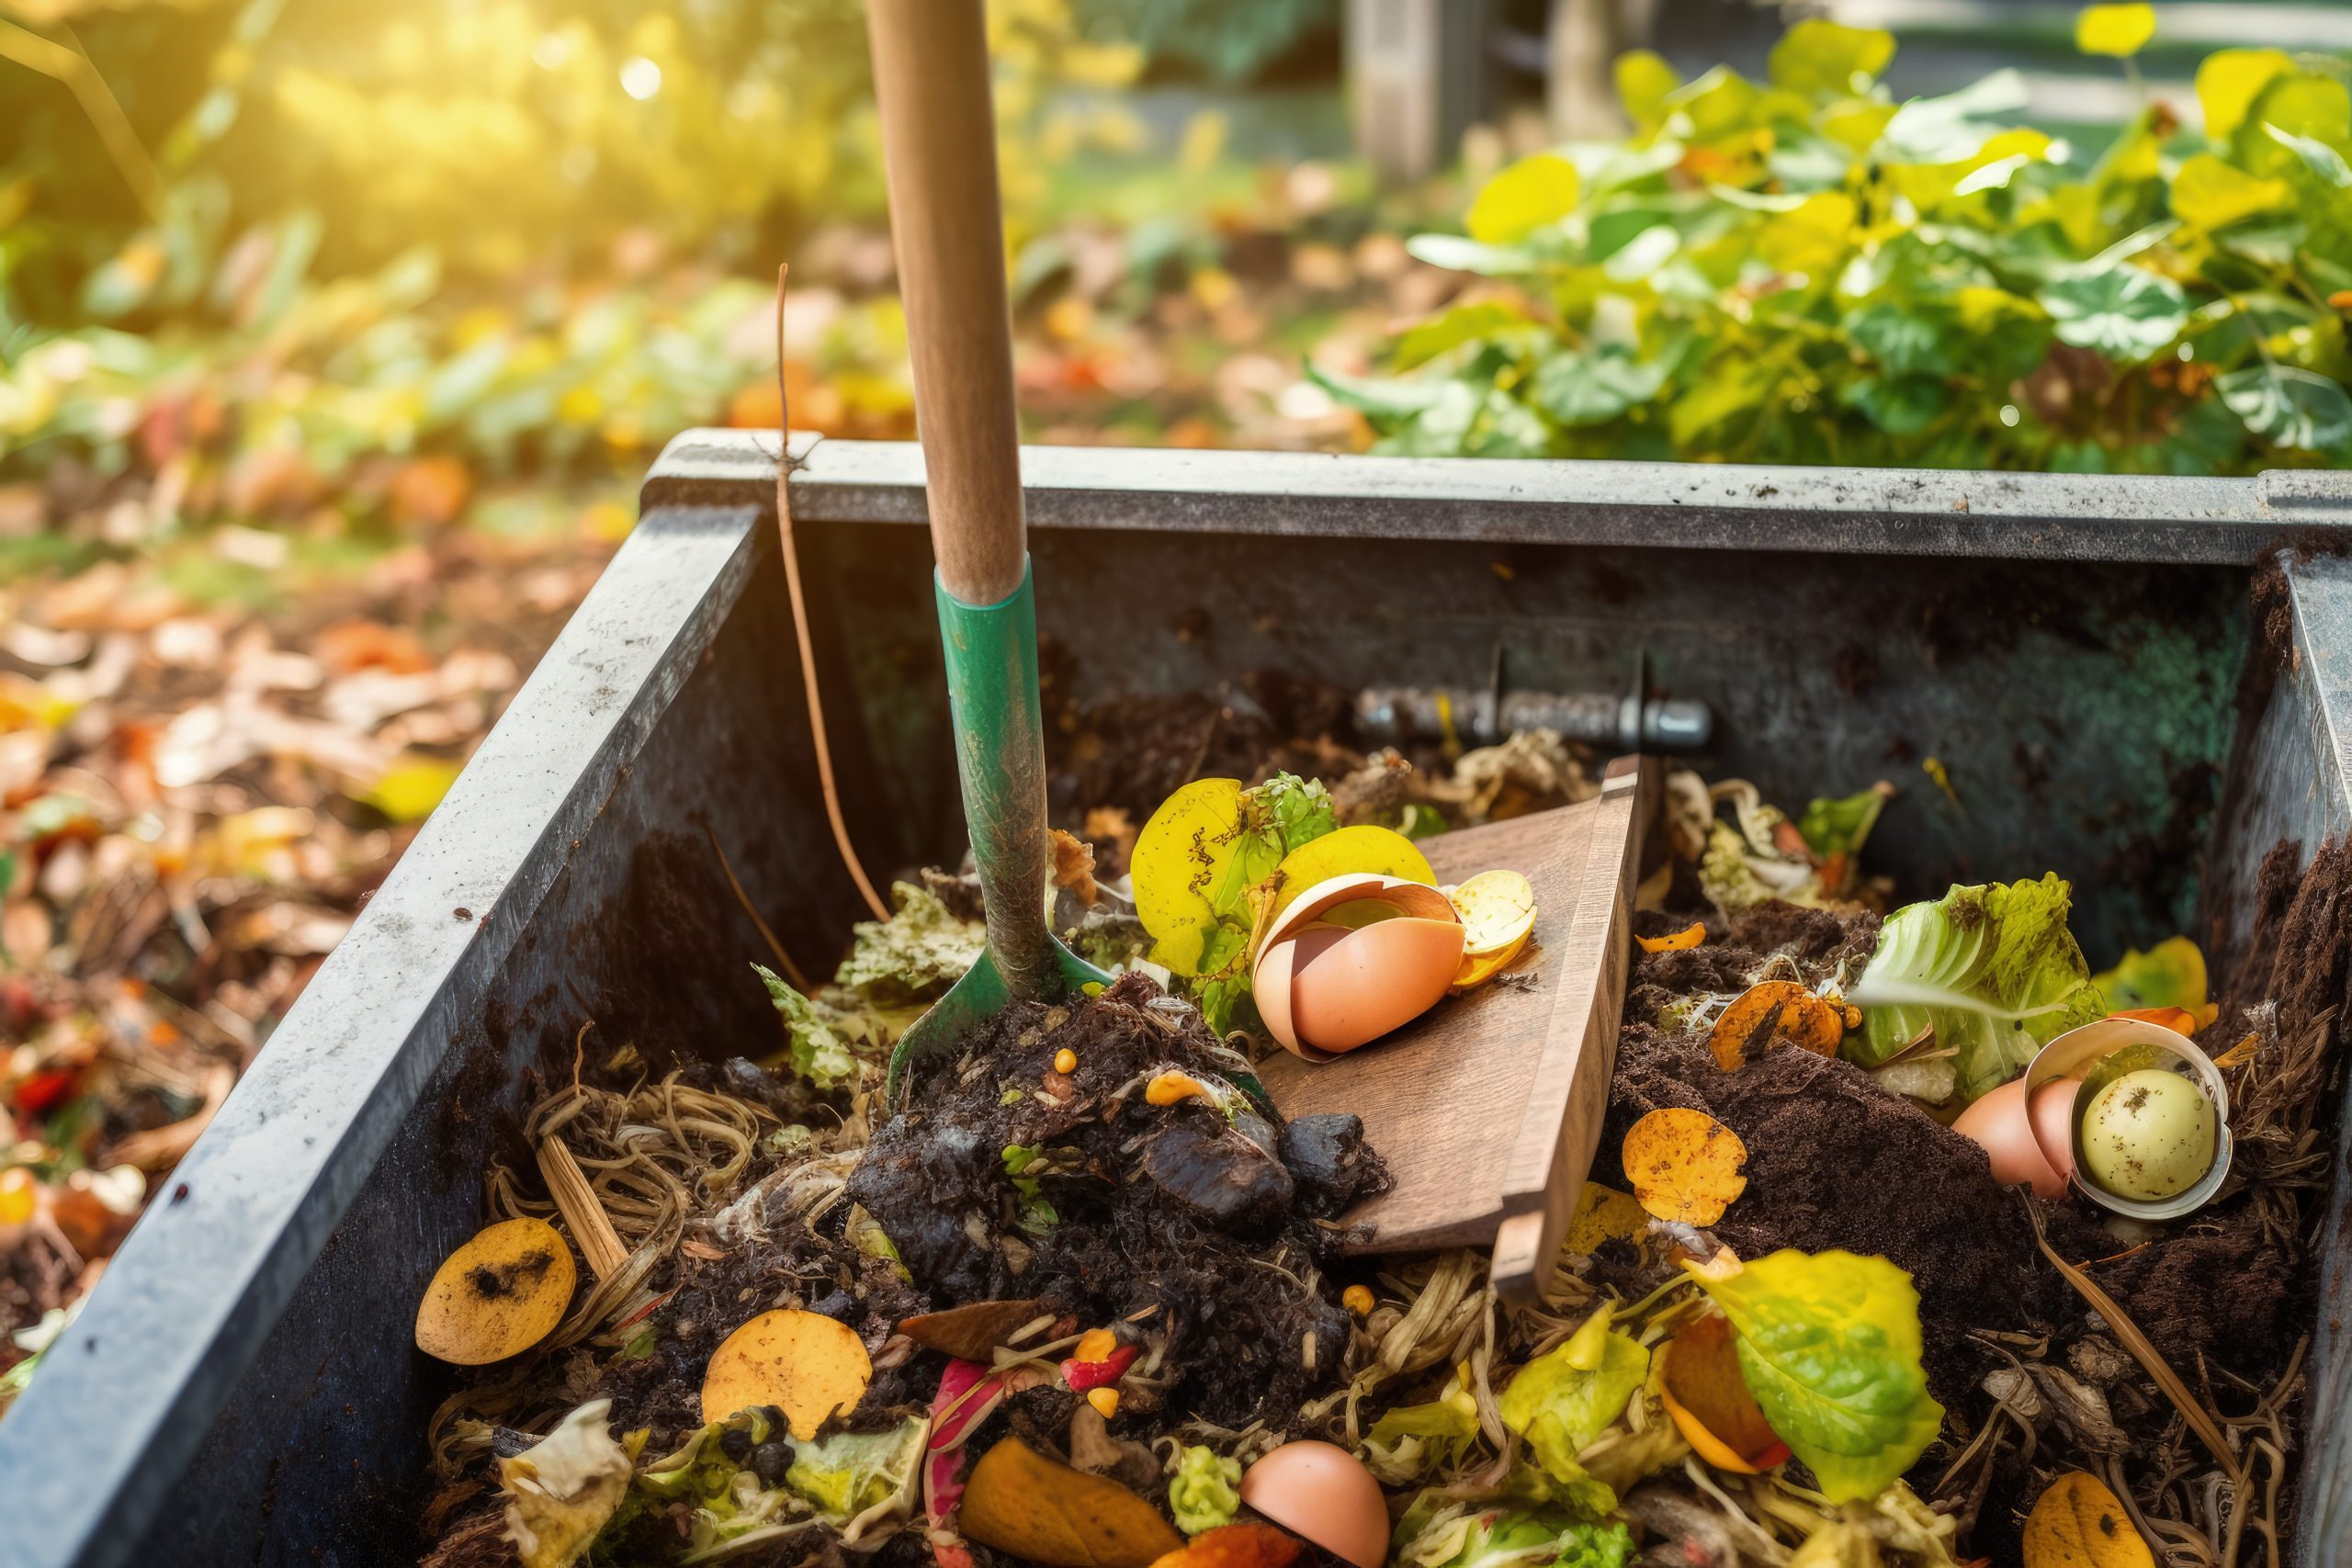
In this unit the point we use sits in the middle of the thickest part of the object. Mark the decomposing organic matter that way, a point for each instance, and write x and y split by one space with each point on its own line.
1083 1297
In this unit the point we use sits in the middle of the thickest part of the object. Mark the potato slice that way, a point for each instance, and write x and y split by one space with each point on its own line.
1498 910
803 1363
498 1296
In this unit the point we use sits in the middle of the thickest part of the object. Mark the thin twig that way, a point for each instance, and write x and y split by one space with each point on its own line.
783 960
2200 1420
874 900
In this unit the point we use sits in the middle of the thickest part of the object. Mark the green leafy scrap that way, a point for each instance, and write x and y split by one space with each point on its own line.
818 1053
1204 1492
1992 970
1829 1343
1439 1531
916 954
1565 1398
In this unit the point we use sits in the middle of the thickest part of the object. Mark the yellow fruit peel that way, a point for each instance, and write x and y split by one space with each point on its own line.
498 1296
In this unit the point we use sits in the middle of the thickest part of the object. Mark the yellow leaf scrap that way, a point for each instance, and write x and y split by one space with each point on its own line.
1688 937
2078 1523
1684 1165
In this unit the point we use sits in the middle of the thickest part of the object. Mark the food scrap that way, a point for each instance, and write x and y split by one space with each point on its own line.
1084 1297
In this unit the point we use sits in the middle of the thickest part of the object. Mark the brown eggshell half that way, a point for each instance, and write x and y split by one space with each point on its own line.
1415 898
1349 988
1997 1122
1325 1494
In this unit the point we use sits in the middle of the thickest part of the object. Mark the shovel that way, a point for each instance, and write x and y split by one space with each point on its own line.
931 75
1488 1109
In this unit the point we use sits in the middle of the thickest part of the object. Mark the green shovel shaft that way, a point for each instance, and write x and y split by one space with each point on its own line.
1001 759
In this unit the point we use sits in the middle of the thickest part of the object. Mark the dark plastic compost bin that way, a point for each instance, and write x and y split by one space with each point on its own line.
2077 652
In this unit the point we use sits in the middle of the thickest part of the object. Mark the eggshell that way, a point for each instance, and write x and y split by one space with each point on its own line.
1324 1494
1348 987
1999 1124
2052 1108
1415 898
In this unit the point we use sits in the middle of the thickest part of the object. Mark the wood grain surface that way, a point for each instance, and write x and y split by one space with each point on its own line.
1488 1106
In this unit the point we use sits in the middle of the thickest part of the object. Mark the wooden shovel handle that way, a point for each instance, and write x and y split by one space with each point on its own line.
931 75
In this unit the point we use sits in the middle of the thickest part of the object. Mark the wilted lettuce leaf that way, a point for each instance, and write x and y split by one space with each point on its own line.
1992 969
845 1474
1438 1531
820 1054
2169 975
1829 1344
1419 1442
1565 1398
915 954
562 1491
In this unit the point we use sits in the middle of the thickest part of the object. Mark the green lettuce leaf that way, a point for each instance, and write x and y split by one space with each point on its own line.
1993 969
820 1053
1565 1398
1419 1442
1829 1345
1438 1531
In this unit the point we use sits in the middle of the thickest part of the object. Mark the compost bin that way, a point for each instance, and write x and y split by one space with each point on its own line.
2080 657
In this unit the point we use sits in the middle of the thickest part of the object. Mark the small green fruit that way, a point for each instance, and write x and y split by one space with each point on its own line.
2148 1135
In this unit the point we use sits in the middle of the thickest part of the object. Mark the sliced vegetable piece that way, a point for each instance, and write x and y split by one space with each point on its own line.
1083 1375
1020 1502
1477 969
2078 1523
973 1331
1245 1545
1497 909
2169 975
1684 1165
498 1296
1708 1399
1688 937
1775 1008
803 1363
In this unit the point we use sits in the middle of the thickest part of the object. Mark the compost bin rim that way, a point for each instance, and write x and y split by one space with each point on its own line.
130 1390
2118 518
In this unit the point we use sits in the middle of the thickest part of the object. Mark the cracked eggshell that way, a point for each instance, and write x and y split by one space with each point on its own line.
1353 958
2000 1122
1324 1492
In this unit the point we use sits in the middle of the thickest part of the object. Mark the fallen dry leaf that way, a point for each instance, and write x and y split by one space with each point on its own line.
2078 1523
972 1332
1684 1165
1774 1009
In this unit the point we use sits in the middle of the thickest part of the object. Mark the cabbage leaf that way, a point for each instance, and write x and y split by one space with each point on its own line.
1992 969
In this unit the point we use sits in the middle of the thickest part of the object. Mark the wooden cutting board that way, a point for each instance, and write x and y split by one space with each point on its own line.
1488 1106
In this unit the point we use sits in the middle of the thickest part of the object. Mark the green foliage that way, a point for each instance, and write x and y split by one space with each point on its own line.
914 956
1992 969
819 1054
1566 1397
1829 1345
1804 270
